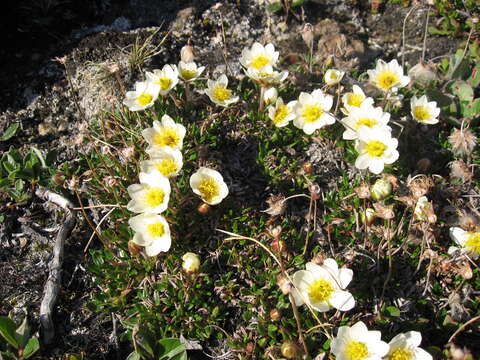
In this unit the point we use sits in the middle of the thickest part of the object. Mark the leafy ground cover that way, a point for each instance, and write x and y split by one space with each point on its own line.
293 198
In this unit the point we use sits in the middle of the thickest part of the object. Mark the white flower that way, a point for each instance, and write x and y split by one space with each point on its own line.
188 71
376 147
219 94
209 184
355 99
388 76
364 116
281 114
423 209
333 76
358 343
423 111
267 75
151 231
191 262
166 78
311 111
151 195
406 347
270 96
322 286
469 241
259 56
166 160
167 133
143 97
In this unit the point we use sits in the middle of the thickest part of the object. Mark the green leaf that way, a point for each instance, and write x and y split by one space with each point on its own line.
474 79
275 7
32 347
470 109
441 99
462 90
172 349
7 330
10 132
393 311
134 356
296 3
22 334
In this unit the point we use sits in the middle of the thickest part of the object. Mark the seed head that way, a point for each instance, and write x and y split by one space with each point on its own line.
463 141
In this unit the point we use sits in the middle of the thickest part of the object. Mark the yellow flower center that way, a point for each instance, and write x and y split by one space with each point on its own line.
320 290
164 83
156 229
387 79
356 350
375 148
333 75
144 99
166 167
167 136
154 197
366 122
400 354
355 99
209 189
421 113
473 242
259 61
188 74
281 113
221 93
312 113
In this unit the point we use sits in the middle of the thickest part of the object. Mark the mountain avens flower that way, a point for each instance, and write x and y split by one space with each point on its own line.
355 99
165 133
166 78
143 97
333 76
356 342
365 115
322 286
152 232
151 195
267 76
188 71
281 114
270 96
166 160
259 56
406 347
311 111
376 147
388 76
469 241
219 94
423 111
209 185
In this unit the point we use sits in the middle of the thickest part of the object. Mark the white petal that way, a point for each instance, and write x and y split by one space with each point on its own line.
342 300
345 277
421 354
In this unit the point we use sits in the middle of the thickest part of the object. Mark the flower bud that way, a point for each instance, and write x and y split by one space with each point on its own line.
191 263
289 349
270 96
279 245
186 53
381 189
58 178
275 315
368 216
204 208
284 284
333 76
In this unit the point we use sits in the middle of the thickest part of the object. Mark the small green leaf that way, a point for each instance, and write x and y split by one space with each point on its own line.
134 356
462 90
31 348
297 3
171 348
275 7
10 132
7 330
470 109
22 334
441 99
474 79
393 311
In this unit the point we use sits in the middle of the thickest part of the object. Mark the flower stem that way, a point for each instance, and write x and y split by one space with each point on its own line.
261 100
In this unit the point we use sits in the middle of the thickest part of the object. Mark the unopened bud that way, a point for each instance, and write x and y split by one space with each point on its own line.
275 315
314 191
307 167
133 248
284 285
278 245
381 189
191 263
289 349
368 216
58 178
186 53
307 34
204 208
270 96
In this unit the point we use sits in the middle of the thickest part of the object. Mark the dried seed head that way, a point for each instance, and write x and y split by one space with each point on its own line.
277 205
127 152
467 221
406 200
284 285
423 165
275 315
307 34
314 191
307 167
275 232
363 191
204 208
423 74
463 141
384 211
289 349
420 186
381 189
424 211
459 170
133 248
186 53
